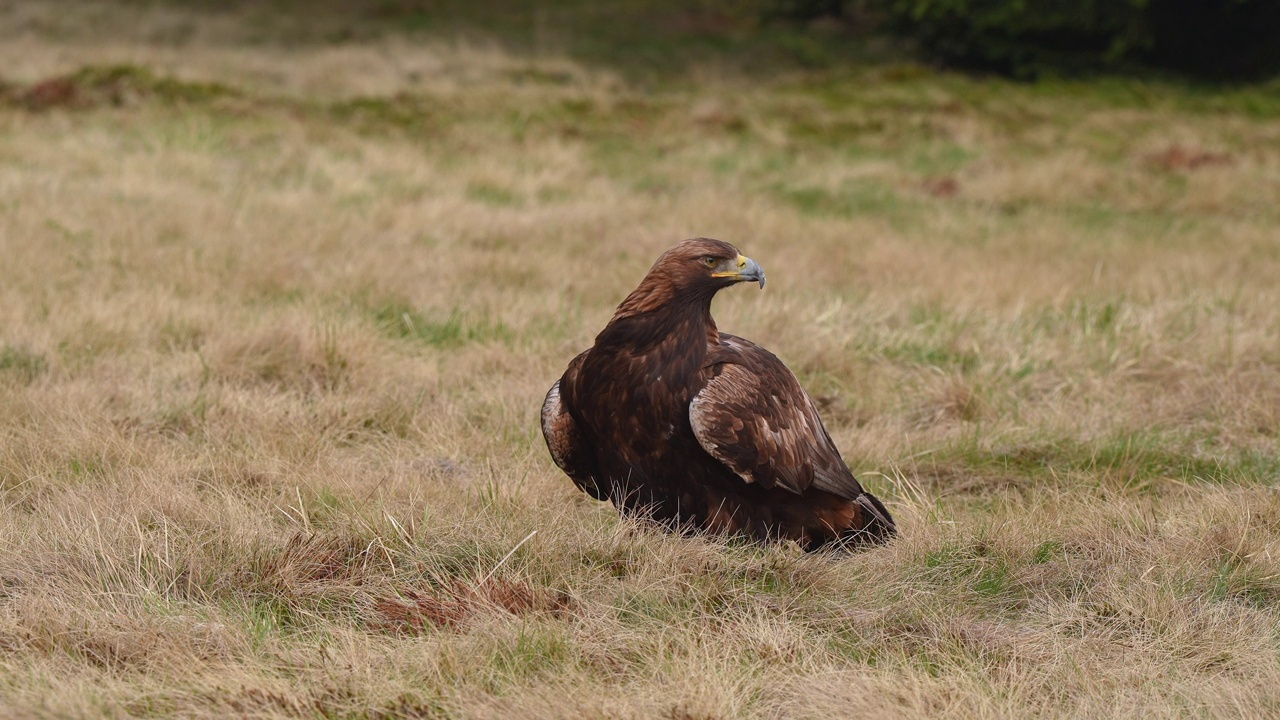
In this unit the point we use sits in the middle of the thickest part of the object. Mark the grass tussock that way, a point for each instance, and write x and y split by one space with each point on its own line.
280 306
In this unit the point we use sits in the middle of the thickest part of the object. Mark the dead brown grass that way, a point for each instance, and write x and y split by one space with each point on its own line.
275 324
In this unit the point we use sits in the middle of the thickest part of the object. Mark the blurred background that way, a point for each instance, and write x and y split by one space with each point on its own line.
1218 40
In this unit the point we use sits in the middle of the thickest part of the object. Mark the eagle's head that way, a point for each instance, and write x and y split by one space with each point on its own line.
706 263
689 274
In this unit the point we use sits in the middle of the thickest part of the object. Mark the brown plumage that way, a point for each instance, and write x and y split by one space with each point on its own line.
673 420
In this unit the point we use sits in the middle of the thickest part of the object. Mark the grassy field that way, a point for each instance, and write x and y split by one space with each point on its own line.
280 300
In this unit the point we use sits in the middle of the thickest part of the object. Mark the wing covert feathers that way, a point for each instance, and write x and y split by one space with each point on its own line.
753 416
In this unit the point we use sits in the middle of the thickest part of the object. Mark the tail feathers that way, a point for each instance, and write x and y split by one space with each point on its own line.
877 524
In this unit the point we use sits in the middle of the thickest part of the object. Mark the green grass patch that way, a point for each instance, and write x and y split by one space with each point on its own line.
1237 580
535 650
938 158
184 419
115 82
453 330
656 608
269 618
931 355
1047 551
1136 460
81 467
494 195
853 199
973 567
409 113
22 364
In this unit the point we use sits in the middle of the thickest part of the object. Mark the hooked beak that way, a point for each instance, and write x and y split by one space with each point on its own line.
743 269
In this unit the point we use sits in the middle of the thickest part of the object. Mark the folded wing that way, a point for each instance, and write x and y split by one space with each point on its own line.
753 416
564 438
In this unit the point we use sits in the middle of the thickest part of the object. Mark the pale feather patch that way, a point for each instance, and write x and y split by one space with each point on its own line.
557 427
699 412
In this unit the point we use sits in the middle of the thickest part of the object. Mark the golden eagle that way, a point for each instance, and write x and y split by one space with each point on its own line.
676 421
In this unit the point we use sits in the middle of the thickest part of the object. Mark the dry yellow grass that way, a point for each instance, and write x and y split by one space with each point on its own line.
272 352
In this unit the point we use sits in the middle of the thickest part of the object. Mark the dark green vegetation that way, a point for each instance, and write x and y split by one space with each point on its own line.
1221 39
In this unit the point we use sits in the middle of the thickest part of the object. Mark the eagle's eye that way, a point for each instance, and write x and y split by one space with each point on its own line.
710 261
